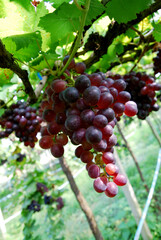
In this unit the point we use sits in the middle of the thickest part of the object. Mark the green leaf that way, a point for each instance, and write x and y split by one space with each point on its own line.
57 3
130 33
96 8
9 45
39 63
5 76
2 110
25 46
31 188
32 18
125 234
3 10
24 3
18 20
157 32
119 48
24 40
124 10
63 21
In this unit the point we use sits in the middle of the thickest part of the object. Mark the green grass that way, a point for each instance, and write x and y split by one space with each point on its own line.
113 216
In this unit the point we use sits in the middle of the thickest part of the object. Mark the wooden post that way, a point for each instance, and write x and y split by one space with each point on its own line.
156 120
133 157
2 225
132 200
81 200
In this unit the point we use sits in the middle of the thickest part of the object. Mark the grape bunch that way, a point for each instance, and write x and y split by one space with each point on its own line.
20 157
157 62
84 109
48 200
23 120
42 188
60 203
142 88
34 206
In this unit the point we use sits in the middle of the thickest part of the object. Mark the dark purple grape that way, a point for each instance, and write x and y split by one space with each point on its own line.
70 94
105 101
100 121
72 63
60 204
57 150
108 113
91 95
94 171
87 117
118 108
48 199
93 135
124 96
72 111
80 67
103 89
73 122
82 82
109 81
120 85
101 146
113 92
80 104
79 135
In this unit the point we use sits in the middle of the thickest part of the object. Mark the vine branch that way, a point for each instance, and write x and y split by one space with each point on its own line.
7 61
99 44
79 36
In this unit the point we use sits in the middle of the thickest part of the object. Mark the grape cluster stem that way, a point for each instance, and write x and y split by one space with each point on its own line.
79 36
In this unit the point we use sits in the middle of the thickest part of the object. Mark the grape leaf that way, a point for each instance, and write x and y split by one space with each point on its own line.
9 45
57 3
39 63
24 40
27 54
2 7
5 76
32 17
25 46
61 22
24 3
19 20
96 8
2 110
157 32
124 10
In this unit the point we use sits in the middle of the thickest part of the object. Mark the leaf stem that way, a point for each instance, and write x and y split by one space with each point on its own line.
5 104
27 65
142 54
78 40
51 71
78 6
